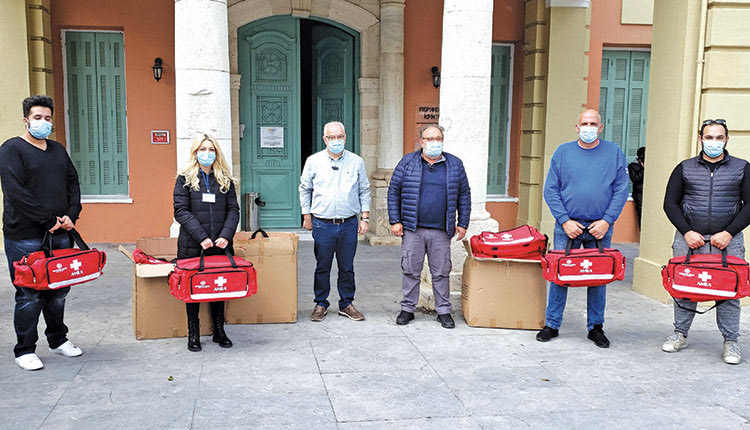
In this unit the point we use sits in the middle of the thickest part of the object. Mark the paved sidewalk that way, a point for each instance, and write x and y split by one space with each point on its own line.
373 374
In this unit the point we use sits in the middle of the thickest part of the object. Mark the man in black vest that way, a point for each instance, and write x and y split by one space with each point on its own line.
705 202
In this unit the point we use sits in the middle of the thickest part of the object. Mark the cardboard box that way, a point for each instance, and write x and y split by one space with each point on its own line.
275 260
503 293
157 314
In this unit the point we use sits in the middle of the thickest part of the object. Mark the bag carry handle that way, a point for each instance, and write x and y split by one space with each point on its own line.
724 262
261 231
229 255
569 245
695 311
73 235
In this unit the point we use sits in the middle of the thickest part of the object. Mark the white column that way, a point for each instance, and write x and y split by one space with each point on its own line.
202 94
466 65
202 91
390 148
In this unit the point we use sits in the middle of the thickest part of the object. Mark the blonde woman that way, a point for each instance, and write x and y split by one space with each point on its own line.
205 205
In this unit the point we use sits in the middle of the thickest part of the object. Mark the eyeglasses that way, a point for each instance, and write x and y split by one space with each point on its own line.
336 136
432 139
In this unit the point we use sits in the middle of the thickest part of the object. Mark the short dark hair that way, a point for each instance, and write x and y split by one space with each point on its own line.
720 122
37 100
640 153
427 126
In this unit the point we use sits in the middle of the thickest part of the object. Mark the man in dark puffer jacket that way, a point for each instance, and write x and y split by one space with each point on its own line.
706 200
427 189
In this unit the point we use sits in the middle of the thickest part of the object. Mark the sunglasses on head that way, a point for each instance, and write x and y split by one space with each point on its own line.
721 122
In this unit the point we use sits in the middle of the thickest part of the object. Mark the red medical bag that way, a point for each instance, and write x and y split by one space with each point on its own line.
50 269
706 277
212 278
524 242
587 267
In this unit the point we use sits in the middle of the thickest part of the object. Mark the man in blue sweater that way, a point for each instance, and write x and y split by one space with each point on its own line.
428 189
586 189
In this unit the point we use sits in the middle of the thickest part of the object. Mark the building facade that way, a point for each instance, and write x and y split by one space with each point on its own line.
506 78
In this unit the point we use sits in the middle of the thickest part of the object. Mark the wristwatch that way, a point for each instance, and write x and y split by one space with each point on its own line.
367 220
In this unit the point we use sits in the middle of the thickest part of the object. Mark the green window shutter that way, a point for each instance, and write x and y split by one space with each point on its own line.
614 94
111 80
82 108
499 120
638 103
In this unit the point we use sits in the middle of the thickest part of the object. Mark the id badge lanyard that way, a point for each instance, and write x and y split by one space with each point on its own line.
208 196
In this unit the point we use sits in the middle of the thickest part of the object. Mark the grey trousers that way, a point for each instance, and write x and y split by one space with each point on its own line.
727 313
437 246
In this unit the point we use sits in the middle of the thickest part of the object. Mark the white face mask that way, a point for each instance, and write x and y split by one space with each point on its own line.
588 133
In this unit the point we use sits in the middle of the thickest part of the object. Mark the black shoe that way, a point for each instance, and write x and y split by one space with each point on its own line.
546 334
194 336
404 317
446 320
220 336
596 334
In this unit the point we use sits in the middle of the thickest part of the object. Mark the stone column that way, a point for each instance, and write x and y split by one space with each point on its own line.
391 116
202 89
466 65
202 74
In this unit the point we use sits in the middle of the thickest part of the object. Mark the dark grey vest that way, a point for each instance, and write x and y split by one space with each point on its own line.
710 202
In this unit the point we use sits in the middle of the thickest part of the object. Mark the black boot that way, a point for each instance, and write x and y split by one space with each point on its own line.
220 336
194 334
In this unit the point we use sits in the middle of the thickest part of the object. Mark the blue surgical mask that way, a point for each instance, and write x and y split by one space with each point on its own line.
40 128
588 133
206 158
336 146
434 149
713 148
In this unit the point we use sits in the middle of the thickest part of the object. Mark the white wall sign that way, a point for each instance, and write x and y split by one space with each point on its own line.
272 137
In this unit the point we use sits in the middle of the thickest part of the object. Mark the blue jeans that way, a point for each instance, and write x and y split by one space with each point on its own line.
558 295
341 240
30 302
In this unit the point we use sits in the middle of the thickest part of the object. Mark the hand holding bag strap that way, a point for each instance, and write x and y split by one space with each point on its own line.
261 231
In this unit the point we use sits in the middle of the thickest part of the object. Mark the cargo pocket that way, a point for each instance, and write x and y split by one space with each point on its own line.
408 264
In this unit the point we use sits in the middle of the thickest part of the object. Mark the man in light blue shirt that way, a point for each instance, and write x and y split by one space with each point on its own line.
333 189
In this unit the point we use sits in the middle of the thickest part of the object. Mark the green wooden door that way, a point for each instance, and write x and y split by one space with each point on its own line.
95 74
497 164
333 88
270 106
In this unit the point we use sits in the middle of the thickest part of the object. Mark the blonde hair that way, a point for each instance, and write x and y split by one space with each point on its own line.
221 169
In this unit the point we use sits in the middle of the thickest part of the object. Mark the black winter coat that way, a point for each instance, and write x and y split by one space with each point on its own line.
200 220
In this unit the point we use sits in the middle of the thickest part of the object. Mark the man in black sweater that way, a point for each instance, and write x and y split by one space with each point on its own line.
707 201
42 200
635 170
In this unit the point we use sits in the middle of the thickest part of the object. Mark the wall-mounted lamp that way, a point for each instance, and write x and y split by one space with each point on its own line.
435 76
157 68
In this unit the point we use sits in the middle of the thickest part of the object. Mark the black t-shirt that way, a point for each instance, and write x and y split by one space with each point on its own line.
38 186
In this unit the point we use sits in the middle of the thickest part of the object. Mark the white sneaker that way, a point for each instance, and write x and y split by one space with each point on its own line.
674 343
67 349
29 362
732 353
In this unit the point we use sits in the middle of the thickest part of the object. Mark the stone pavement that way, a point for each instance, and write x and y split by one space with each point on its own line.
373 374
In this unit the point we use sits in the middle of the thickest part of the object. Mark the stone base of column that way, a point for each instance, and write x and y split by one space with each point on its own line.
379 233
480 221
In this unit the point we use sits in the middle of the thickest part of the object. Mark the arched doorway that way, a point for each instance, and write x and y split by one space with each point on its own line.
297 74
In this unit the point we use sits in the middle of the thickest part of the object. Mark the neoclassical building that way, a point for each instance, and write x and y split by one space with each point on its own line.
506 78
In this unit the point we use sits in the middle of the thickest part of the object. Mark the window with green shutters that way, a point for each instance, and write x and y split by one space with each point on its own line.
623 98
497 167
97 137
